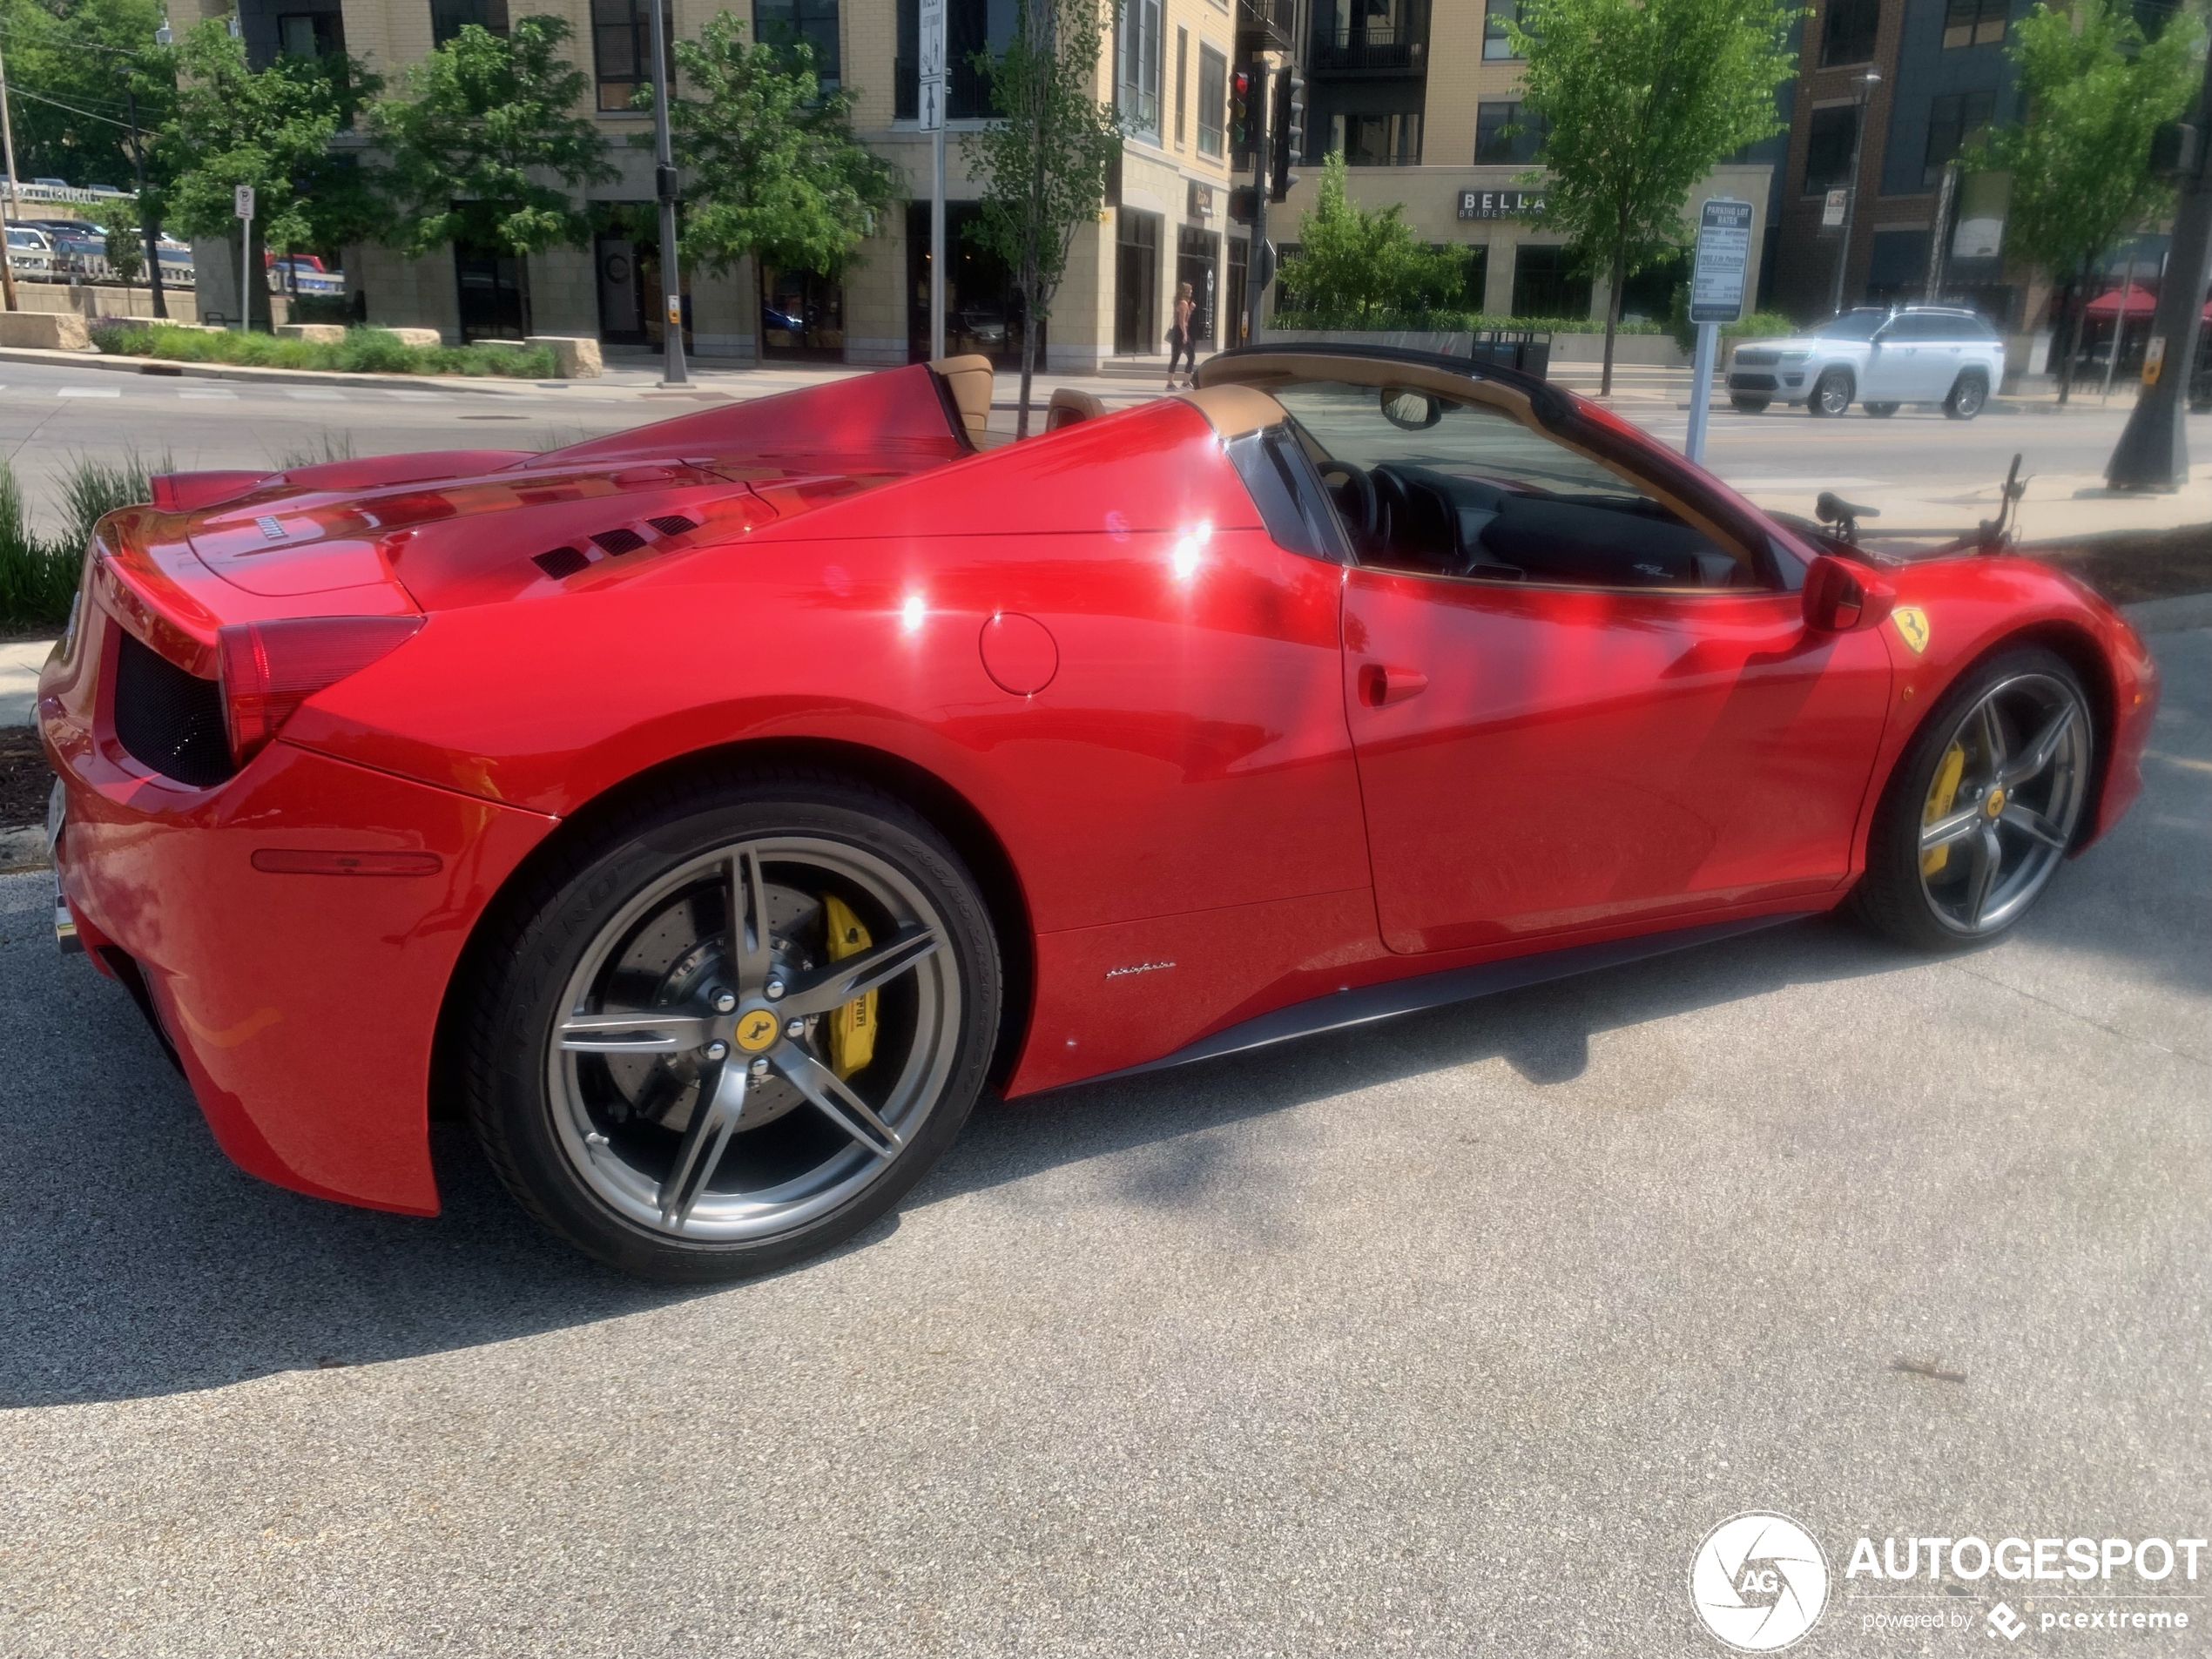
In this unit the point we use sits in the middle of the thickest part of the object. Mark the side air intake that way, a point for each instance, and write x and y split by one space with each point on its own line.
561 562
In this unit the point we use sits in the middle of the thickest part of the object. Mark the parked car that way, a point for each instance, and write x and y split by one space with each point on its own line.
1881 358
1353 682
28 251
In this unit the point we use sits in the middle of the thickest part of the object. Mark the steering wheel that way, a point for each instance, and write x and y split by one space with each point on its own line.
1353 491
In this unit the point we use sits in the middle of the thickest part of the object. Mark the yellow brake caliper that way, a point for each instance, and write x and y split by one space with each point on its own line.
1945 790
852 1029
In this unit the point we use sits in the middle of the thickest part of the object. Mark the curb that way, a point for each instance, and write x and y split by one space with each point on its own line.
2183 611
160 367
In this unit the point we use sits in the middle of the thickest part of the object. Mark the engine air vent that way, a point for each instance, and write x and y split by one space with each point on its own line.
561 562
673 524
168 719
620 541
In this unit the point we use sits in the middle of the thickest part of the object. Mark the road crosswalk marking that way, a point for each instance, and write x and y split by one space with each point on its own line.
88 391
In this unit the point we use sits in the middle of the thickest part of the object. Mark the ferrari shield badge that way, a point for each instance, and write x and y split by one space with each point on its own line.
1912 626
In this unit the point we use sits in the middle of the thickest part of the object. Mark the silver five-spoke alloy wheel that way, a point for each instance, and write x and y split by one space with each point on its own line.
2005 802
751 1041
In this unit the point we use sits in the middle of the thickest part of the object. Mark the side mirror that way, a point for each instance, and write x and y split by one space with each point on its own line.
1410 410
1844 597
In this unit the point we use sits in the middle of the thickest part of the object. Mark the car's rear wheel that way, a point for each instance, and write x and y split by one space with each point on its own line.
1968 394
1747 405
1880 411
736 1027
1983 805
1831 393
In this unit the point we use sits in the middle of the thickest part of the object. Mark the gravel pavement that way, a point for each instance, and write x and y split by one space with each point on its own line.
1451 1335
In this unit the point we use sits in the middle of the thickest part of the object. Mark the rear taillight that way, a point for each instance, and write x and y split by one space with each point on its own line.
269 667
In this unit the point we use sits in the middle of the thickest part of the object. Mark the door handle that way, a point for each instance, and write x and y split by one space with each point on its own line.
1380 685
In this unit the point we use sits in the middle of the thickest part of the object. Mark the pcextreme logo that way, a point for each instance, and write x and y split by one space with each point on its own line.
1758 1581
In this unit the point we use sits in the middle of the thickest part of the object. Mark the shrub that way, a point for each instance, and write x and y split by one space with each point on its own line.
363 351
38 575
1451 322
1754 325
1353 262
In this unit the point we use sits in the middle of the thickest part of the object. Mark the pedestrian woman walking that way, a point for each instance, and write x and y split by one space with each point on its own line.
1181 347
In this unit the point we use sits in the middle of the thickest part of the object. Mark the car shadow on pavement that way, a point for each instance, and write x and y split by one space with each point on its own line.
137 1260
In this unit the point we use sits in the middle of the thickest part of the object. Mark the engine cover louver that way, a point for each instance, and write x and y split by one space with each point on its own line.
560 563
673 524
620 541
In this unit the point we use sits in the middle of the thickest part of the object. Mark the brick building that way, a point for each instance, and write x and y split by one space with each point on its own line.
1167 65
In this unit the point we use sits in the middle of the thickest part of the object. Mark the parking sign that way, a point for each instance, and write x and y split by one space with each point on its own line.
243 201
1723 258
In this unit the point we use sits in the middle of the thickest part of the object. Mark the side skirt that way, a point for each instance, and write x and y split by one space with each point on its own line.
1368 1003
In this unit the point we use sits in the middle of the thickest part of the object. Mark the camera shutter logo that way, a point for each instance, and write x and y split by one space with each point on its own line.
1758 1581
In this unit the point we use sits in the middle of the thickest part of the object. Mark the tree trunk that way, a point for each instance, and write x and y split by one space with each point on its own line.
1613 317
2078 287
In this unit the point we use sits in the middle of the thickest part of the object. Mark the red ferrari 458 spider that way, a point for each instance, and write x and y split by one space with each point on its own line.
711 811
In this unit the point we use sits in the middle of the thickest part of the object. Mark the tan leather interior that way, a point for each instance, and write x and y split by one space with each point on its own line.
1235 410
1068 405
969 381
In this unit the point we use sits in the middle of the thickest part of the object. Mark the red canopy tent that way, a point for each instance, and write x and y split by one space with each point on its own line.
2142 301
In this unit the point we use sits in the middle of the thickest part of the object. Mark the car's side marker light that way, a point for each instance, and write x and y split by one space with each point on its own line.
289 861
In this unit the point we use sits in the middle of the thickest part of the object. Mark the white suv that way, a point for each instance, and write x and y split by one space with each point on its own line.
1882 358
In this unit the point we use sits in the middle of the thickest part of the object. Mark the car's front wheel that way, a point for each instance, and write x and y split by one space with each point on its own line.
1968 394
1983 805
1831 393
734 1026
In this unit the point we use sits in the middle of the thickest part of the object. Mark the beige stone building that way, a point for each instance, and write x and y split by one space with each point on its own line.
1168 67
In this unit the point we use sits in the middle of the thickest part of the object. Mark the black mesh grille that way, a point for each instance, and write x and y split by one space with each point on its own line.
560 562
673 524
620 541
169 719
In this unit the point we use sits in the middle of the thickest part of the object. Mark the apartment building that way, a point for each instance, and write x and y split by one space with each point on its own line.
1423 97
1909 84
1167 66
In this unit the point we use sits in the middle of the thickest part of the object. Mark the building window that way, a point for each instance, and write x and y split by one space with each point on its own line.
1847 34
1377 140
1955 120
1495 15
1972 23
449 17
1136 91
785 22
1213 99
1181 79
311 34
1546 283
1828 147
1494 145
971 26
622 39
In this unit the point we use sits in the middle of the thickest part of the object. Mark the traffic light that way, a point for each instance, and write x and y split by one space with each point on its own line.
1289 133
1240 109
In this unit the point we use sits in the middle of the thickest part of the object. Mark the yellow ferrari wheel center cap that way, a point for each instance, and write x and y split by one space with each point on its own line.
757 1031
1995 802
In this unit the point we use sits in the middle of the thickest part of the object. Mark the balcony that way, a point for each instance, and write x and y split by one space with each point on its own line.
1265 26
1380 49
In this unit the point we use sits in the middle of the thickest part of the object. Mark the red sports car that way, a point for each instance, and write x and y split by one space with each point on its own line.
711 811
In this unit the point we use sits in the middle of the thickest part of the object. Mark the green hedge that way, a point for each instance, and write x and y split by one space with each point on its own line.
363 351
1449 322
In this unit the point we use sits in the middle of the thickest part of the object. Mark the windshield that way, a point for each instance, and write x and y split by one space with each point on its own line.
1852 325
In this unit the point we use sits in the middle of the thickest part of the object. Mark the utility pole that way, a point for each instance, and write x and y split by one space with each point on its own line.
1866 85
933 84
8 134
2154 448
1260 270
149 232
664 188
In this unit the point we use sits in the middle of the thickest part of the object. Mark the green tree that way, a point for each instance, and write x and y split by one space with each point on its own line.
774 169
125 246
69 67
484 146
1352 262
2094 91
271 129
1045 160
1642 97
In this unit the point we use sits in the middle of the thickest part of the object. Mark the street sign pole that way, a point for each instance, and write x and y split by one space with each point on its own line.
932 88
242 201
1716 297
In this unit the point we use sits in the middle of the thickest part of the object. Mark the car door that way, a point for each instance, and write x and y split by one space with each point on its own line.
1893 364
1578 706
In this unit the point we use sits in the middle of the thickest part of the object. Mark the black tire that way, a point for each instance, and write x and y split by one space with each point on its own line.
520 1082
1967 395
1831 393
1880 411
1893 897
1749 405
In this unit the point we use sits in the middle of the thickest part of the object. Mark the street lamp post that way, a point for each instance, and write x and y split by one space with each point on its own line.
664 188
1866 86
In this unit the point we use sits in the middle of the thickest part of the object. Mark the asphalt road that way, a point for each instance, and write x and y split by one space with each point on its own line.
49 414
1451 1335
